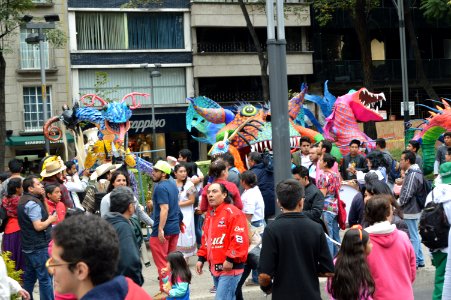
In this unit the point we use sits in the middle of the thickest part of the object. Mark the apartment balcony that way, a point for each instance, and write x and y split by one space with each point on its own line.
231 64
437 70
228 14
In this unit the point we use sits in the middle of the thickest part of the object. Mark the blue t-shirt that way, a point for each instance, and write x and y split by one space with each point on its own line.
166 192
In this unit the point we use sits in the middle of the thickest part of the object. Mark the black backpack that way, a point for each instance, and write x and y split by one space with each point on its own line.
425 190
434 226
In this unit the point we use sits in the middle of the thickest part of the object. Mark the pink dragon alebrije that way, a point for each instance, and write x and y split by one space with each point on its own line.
342 127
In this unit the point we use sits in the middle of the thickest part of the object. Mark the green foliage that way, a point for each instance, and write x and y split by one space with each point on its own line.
436 9
101 89
324 9
11 270
11 13
56 37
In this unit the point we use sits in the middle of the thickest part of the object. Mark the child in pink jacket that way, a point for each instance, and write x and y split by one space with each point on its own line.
392 260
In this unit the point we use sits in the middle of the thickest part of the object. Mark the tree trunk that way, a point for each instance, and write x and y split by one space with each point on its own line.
262 58
360 25
421 75
2 111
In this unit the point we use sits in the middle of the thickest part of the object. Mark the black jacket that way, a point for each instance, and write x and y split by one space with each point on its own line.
294 252
265 179
129 259
359 166
313 203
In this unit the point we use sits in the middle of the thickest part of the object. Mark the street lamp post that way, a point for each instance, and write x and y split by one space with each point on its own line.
154 72
399 4
278 91
40 38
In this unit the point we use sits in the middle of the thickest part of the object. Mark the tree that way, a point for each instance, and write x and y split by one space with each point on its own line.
421 75
436 9
262 55
11 12
358 11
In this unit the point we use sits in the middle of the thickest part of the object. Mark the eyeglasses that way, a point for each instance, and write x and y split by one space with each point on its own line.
51 266
359 228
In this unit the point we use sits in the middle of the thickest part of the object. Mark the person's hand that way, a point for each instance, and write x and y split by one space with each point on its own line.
164 272
227 266
53 218
24 294
161 236
199 267
86 173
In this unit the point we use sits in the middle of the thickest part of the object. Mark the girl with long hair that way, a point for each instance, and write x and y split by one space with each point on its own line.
119 178
177 277
186 243
352 279
12 236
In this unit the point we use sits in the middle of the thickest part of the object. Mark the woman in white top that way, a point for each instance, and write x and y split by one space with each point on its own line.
253 204
254 208
187 192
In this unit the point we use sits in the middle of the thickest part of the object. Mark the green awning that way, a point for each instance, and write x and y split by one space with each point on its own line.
27 140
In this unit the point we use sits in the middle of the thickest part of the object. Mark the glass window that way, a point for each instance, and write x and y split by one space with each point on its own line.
29 54
120 31
155 31
33 108
168 89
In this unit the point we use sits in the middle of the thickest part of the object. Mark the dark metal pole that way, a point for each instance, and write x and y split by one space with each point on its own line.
154 135
278 89
404 76
43 84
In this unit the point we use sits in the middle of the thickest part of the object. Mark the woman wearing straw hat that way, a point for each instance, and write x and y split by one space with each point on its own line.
101 176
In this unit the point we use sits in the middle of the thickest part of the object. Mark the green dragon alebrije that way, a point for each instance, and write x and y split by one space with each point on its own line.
431 129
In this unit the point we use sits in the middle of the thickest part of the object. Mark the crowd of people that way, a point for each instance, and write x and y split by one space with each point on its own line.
79 232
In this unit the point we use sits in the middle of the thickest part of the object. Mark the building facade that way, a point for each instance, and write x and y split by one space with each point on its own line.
226 65
24 109
110 49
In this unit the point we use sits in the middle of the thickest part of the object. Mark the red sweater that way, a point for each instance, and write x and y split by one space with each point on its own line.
233 192
60 210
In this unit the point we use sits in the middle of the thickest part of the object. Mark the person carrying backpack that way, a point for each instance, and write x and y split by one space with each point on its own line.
411 205
434 229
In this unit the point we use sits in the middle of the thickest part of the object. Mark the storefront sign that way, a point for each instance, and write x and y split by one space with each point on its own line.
174 122
142 126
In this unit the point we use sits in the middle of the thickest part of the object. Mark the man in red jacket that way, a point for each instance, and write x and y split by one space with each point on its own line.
224 243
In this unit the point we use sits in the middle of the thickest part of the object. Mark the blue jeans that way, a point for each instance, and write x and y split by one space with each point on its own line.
412 225
331 221
35 270
226 286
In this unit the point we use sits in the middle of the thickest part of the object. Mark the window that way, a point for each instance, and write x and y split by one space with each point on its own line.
33 108
29 54
169 88
121 31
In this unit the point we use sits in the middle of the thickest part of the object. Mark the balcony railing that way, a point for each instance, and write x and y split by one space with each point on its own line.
383 70
237 47
246 1
233 96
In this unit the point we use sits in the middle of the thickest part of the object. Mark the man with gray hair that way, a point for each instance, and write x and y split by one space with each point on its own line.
294 249
122 208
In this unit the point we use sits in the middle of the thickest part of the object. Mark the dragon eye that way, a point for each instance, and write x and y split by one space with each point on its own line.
249 110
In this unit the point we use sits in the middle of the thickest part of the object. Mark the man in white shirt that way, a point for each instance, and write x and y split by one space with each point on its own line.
73 183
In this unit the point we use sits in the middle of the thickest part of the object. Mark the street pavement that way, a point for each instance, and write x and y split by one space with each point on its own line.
201 284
